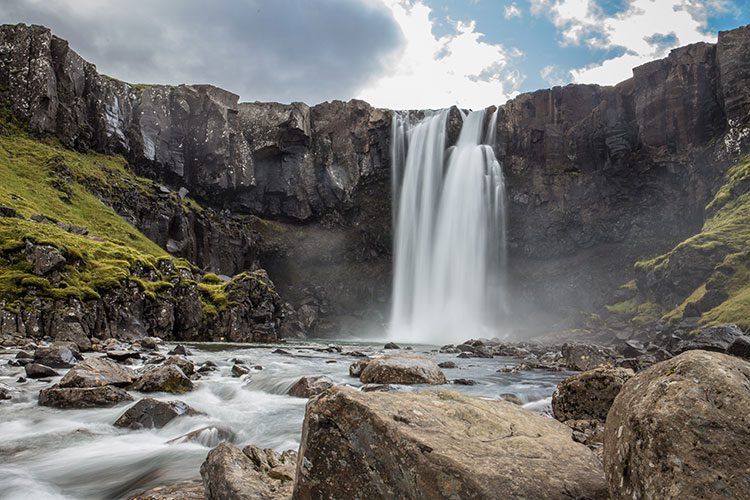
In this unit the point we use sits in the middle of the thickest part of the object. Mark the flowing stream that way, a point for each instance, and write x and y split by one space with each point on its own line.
79 454
450 248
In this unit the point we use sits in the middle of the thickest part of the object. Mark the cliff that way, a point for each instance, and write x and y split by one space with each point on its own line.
598 177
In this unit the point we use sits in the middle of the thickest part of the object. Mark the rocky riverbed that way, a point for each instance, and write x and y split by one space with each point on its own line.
239 394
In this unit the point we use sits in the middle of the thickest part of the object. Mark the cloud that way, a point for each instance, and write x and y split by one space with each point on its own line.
555 75
285 50
511 11
438 71
646 29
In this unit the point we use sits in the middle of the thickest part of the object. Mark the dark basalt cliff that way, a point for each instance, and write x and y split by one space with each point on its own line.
598 177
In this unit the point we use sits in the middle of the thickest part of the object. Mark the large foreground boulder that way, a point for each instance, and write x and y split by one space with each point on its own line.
681 429
89 397
96 372
402 370
588 395
165 378
437 445
149 413
231 473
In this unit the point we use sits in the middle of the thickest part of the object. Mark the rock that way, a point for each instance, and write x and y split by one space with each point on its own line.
464 381
9 212
187 366
355 369
150 413
511 398
150 343
582 357
391 345
740 347
58 355
44 259
588 395
188 490
475 351
123 355
205 436
465 355
208 366
89 397
68 329
402 370
277 465
180 350
239 370
681 429
307 387
377 388
165 378
589 432
5 392
24 355
35 370
96 372
228 473
711 338
437 445
447 364
281 351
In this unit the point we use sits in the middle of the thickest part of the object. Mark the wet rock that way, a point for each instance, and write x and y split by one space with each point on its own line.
5 392
464 381
447 364
391 345
35 370
230 473
150 413
588 395
511 398
402 370
740 347
24 355
88 397
307 387
582 357
711 338
150 343
58 355
282 352
208 366
188 490
377 388
355 369
680 430
123 355
180 350
165 378
187 366
465 355
95 372
476 351
356 444
205 436
239 370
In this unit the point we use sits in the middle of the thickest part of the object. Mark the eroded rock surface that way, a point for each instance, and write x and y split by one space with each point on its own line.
402 370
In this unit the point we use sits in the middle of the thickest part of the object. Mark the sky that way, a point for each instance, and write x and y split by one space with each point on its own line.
399 54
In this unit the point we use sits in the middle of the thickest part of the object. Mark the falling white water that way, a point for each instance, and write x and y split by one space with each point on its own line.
449 253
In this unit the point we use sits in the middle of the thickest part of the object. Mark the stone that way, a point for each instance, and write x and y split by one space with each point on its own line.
355 369
58 355
180 350
89 397
44 259
681 429
464 381
239 370
377 388
123 355
588 395
402 370
208 366
5 392
447 364
209 436
307 387
187 366
511 398
582 357
9 212
188 490
165 378
150 343
96 372
35 370
71 331
711 338
150 413
437 445
391 345
740 347
230 473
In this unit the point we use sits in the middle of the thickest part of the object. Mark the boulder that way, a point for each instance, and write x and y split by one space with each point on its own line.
44 258
5 392
96 372
35 370
588 395
150 413
355 369
180 350
88 397
582 357
307 387
150 343
119 355
447 364
681 429
187 366
437 445
58 355
740 347
239 370
230 473
391 346
710 338
209 436
165 378
402 370
188 490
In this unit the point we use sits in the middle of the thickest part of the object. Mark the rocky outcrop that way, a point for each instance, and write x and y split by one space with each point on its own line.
437 445
680 430
402 369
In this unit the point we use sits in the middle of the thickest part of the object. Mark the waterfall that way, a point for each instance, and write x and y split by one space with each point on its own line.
449 216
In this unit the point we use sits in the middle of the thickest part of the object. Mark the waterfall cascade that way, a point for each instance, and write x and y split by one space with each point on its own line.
449 251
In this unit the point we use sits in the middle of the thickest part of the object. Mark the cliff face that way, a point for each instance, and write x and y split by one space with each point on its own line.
598 177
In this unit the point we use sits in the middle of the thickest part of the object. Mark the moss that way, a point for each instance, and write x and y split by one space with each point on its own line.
627 307
214 295
211 278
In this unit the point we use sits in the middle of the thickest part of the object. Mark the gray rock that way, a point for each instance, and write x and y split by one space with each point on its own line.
355 369
740 347
402 370
89 397
588 395
711 338
123 355
96 372
44 259
35 370
582 357
165 378
58 355
188 490
307 387
150 413
187 366
447 364
239 370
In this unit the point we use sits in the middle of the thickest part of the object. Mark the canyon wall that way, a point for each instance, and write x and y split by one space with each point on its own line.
598 177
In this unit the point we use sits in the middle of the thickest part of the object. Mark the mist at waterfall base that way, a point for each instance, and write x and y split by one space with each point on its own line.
450 257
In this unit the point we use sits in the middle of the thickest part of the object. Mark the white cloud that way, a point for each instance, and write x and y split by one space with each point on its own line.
435 72
511 11
555 75
647 30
